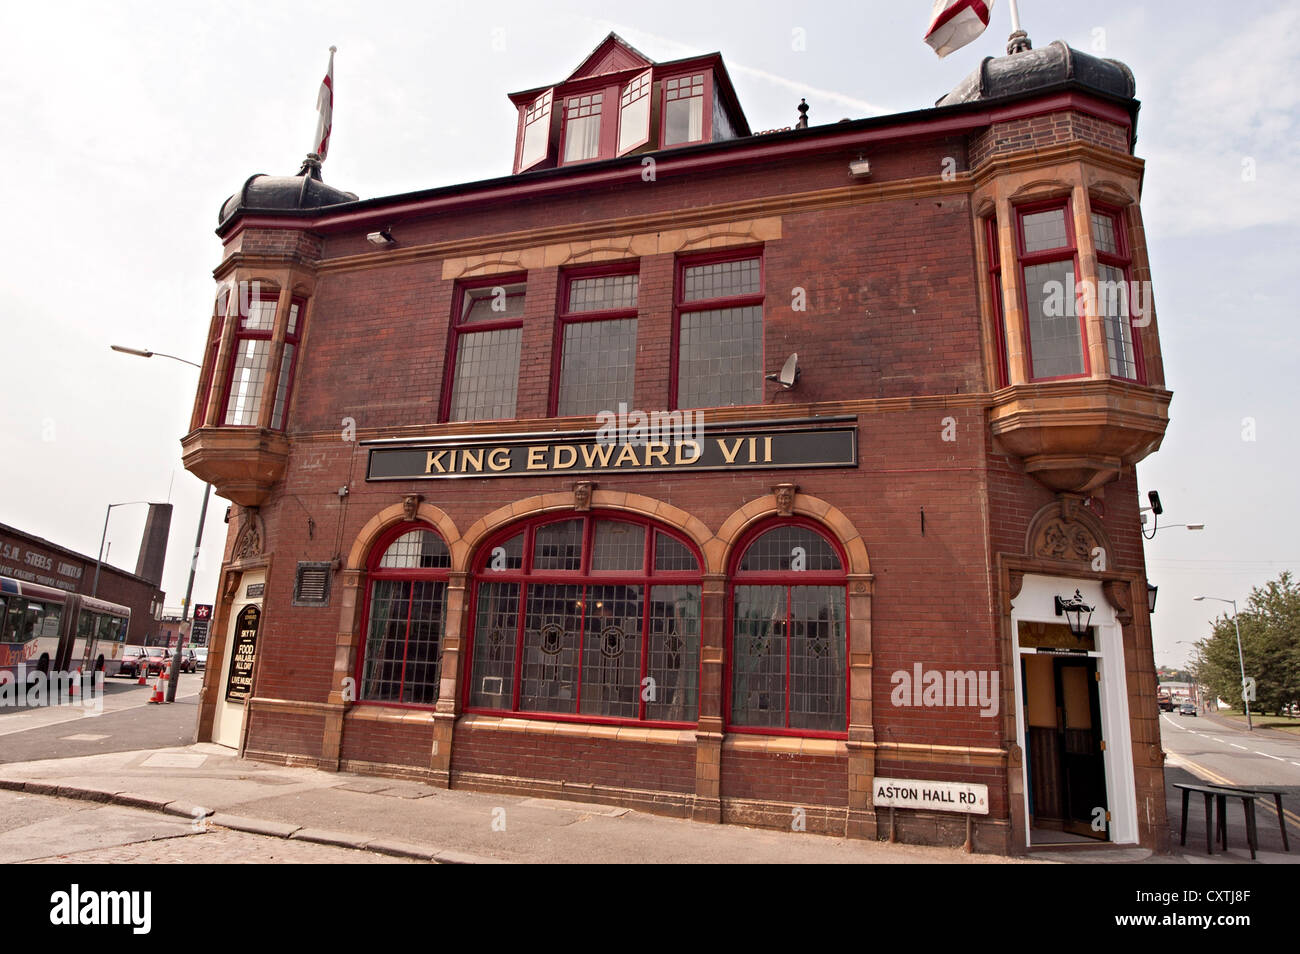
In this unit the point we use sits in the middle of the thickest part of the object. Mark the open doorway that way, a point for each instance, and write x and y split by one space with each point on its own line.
1064 749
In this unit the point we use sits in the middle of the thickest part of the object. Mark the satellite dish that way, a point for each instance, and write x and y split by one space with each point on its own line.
788 377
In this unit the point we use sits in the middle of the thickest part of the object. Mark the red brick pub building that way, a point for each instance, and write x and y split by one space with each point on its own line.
744 599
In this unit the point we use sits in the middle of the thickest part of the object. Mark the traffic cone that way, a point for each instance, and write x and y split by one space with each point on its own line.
158 695
144 675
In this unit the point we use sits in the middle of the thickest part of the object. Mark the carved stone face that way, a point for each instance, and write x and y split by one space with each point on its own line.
784 494
410 506
582 495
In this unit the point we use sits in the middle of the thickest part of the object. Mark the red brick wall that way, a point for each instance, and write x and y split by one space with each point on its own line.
286 733
790 779
606 762
399 743
1047 130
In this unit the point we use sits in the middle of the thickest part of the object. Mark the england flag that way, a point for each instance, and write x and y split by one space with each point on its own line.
954 23
325 110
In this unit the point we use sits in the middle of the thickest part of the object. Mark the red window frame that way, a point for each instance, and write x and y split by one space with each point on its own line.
787 579
706 116
458 329
215 328
539 110
995 292
290 338
564 318
610 114
646 81
1063 253
648 577
1122 259
681 307
243 334
419 574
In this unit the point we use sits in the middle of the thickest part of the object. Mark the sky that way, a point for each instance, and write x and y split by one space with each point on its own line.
127 125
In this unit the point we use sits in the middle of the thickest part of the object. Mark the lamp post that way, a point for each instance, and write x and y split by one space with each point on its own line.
99 560
1241 660
198 537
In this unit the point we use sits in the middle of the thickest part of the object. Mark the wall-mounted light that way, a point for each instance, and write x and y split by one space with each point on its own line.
860 168
1152 589
1073 609
383 238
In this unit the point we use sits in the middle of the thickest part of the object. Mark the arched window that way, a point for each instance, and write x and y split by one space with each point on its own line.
405 615
789 635
594 618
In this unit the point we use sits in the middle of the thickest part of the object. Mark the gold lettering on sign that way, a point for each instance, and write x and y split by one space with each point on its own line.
474 457
628 453
537 458
729 455
499 459
767 450
434 462
661 455
694 445
557 463
592 452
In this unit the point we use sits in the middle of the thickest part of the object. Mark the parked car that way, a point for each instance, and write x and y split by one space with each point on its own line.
201 657
189 662
151 659
1187 708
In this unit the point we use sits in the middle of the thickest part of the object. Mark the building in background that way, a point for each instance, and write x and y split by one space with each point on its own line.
745 477
30 559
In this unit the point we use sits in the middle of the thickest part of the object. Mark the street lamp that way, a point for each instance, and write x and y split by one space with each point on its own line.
198 537
146 353
99 560
1241 660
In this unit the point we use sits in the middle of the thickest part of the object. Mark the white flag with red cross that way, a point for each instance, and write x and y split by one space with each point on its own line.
954 23
325 109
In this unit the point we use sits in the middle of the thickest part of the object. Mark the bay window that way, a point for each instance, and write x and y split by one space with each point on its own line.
1048 270
1114 295
486 334
253 348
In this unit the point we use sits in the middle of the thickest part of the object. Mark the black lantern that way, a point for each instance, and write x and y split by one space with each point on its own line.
1073 609
1152 589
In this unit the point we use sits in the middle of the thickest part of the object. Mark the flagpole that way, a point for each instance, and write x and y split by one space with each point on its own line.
1018 42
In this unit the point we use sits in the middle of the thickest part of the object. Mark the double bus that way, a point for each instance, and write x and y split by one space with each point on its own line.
47 630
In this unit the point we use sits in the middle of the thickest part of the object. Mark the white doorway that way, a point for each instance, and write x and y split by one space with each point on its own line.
1079 687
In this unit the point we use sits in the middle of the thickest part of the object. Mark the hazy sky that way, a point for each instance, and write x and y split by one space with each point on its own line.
126 125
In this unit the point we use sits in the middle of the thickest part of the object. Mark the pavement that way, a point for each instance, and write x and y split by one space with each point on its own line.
207 787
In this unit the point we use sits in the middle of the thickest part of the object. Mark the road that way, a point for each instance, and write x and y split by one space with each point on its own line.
1222 753
125 721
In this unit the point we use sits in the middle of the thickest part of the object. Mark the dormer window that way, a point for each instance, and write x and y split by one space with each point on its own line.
618 102
683 109
536 131
582 127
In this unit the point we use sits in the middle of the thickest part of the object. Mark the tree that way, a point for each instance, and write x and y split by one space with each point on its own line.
1270 645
